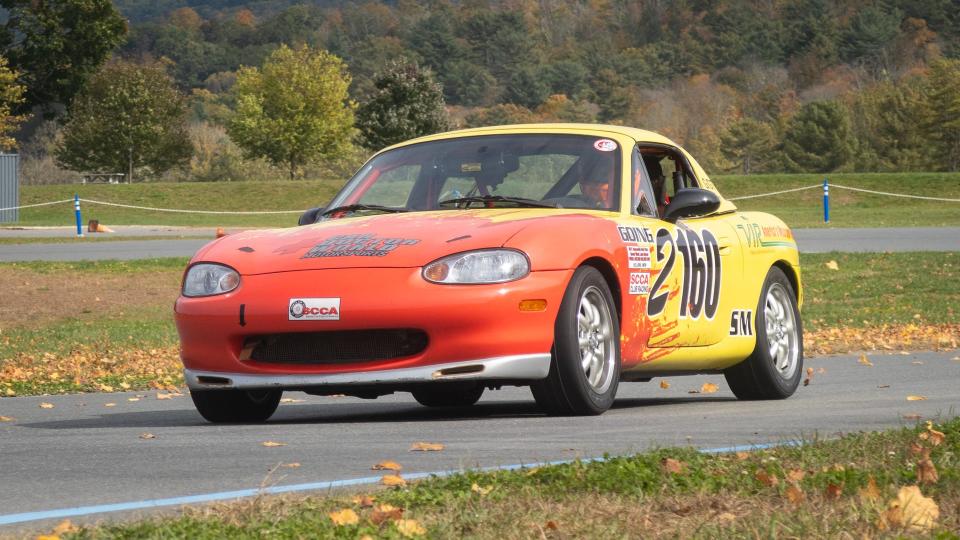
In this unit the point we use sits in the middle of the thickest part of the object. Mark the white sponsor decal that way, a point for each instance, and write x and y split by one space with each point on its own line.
638 256
639 282
314 309
605 145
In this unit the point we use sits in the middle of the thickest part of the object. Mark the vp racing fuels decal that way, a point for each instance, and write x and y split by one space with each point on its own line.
358 245
701 266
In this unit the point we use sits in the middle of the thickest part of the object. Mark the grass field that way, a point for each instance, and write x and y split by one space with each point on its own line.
801 209
68 327
901 484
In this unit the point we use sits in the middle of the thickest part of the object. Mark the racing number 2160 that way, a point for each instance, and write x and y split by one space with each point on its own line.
700 294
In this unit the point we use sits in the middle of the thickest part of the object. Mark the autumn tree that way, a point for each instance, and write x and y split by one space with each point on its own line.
56 45
294 109
407 103
130 118
941 121
11 95
748 144
818 138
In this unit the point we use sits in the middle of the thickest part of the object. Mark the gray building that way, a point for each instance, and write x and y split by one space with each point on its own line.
9 187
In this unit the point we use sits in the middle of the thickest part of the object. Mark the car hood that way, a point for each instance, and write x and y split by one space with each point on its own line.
380 241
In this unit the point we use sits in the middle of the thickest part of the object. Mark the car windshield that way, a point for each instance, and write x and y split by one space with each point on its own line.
562 171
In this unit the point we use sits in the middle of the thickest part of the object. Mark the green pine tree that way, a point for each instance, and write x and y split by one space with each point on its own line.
407 103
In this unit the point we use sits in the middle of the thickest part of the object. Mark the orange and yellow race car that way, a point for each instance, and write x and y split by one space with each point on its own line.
564 257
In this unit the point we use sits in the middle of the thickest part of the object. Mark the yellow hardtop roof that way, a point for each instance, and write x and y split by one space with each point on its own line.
640 135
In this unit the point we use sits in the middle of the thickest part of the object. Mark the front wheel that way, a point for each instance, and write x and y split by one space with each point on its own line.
236 406
774 369
585 368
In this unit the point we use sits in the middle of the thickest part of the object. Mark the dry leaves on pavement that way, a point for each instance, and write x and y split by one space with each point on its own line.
273 444
393 480
6 419
387 466
147 436
46 405
916 398
664 385
426 447
864 360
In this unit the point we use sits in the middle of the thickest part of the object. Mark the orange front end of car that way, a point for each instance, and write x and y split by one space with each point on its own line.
361 326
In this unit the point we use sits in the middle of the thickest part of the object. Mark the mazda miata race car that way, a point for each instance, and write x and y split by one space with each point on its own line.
567 258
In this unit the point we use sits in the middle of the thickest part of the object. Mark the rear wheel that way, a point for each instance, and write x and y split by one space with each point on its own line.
449 395
585 369
234 406
774 369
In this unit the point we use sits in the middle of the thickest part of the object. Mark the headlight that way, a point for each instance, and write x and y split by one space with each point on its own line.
207 279
485 266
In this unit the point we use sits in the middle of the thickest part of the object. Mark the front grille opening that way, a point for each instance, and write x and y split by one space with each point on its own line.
205 379
340 347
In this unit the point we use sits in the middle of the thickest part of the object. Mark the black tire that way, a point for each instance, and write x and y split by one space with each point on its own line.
758 377
236 406
449 395
567 391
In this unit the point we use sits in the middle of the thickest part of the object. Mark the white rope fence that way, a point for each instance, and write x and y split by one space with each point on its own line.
35 205
180 211
775 193
838 186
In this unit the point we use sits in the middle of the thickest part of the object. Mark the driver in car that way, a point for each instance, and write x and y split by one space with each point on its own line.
595 187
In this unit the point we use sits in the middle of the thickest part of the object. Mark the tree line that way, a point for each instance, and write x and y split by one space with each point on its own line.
746 85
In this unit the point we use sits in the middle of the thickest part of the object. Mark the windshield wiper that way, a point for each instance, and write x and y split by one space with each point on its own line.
519 201
355 207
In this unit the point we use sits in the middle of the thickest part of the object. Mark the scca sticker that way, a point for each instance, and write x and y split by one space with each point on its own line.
639 282
702 270
314 309
357 245
605 145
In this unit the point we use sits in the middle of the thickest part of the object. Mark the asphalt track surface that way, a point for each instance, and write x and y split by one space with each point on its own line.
82 452
809 240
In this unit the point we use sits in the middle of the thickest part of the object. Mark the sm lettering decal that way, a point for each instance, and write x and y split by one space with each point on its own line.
741 322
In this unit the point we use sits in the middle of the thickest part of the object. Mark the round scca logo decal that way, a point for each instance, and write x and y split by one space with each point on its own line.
605 145
296 309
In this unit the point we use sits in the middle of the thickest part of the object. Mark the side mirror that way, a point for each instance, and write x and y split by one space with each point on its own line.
691 202
310 216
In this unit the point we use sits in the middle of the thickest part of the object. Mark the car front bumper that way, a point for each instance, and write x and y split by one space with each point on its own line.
475 332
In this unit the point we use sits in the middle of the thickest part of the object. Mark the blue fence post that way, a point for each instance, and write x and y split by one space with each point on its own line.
826 201
76 208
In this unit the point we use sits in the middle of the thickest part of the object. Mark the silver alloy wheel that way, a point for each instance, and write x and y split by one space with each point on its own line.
596 338
782 334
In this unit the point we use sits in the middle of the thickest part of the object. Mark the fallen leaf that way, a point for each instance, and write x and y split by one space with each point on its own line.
363 501
6 419
109 404
426 447
795 475
727 516
935 437
832 265
48 537
767 479
708 388
385 512
291 400
806 382
10 392
917 449
164 396
664 385
742 455
916 398
911 511
106 388
293 465
883 386
671 465
927 472
344 517
46 405
392 480
147 436
476 488
869 492
64 527
125 386
409 528
917 363
133 399
864 360
833 491
273 444
794 494
387 466
551 525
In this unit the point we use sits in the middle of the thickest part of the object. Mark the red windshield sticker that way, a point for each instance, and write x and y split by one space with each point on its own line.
605 145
